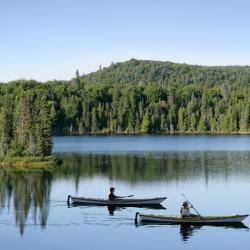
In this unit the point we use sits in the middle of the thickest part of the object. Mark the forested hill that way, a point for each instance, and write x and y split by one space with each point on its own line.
130 97
145 71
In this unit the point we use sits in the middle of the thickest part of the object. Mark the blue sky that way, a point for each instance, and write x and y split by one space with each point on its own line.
50 39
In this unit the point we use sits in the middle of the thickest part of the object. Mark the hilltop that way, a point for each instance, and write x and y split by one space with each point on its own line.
145 71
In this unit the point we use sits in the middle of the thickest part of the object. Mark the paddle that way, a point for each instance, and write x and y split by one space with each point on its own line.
192 206
128 196
121 197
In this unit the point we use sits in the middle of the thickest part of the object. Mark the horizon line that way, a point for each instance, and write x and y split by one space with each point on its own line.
101 67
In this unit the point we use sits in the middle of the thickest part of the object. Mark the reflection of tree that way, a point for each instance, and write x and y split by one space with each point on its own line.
27 189
149 167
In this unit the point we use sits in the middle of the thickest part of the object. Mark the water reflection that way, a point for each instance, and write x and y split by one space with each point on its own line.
187 231
150 167
29 192
111 208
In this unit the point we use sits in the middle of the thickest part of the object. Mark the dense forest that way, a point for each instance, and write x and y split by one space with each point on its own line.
130 97
25 122
142 71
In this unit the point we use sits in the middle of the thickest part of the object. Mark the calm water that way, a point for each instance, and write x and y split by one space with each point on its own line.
213 172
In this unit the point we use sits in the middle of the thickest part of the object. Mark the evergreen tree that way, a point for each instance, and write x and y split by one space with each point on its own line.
94 121
5 126
193 123
181 120
145 126
44 143
77 76
24 120
244 119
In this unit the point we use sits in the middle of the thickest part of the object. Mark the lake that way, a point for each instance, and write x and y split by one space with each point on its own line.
212 171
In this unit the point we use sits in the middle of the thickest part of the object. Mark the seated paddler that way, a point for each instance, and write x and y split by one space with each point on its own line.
185 210
112 195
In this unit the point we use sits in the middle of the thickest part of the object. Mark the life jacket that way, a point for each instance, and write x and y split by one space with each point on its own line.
185 211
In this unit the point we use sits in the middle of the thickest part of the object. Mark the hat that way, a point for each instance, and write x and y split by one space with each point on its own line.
184 203
112 188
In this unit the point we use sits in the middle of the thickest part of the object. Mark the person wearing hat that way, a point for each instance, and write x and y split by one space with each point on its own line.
112 195
185 212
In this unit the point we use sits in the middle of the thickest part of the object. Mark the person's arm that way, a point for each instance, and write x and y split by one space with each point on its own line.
120 197
113 197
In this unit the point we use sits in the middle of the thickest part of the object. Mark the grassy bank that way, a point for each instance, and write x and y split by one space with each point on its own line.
28 162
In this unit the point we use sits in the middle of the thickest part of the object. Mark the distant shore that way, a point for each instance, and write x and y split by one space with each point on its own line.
159 133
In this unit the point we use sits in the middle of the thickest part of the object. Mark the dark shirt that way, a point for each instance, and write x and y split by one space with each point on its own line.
112 196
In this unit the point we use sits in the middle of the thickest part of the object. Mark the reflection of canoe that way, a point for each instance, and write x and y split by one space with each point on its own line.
187 226
151 206
116 202
112 208
191 220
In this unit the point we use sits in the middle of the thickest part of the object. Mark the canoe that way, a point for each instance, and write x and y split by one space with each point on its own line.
191 220
116 202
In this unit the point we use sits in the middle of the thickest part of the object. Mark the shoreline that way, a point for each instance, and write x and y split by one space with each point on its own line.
36 162
160 133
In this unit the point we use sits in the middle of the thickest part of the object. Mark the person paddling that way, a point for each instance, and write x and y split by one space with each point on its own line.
184 211
112 195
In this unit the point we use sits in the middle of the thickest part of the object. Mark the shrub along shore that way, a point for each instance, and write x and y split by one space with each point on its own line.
28 162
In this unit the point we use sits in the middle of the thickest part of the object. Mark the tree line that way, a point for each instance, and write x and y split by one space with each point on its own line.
151 108
31 112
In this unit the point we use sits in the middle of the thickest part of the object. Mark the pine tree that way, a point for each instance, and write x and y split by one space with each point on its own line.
44 143
86 116
181 120
244 119
145 126
5 126
23 125
163 125
193 122
76 81
94 121
202 125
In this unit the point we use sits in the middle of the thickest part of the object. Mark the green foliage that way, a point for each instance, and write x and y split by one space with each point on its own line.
25 120
26 161
5 125
145 126
143 71
43 136
131 97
